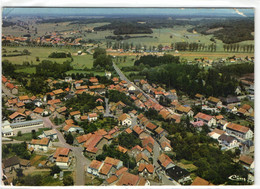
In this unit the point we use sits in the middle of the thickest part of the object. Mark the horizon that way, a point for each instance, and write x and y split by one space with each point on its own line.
95 11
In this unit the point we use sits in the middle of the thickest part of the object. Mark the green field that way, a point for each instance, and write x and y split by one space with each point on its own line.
82 61
40 52
29 70
28 136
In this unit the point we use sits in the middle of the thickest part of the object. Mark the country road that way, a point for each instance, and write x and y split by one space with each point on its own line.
81 161
123 77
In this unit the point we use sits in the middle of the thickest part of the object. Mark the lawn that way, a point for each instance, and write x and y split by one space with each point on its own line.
187 165
48 180
28 136
29 70
82 61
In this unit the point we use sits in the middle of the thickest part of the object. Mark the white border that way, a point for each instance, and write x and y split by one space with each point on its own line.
164 3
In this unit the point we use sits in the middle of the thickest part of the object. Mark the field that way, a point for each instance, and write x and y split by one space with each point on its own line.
28 136
82 61
40 52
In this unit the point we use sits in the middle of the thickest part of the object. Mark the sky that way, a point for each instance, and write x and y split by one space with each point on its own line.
127 11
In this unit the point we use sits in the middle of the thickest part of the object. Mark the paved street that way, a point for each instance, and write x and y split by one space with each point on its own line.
107 111
7 92
81 160
123 77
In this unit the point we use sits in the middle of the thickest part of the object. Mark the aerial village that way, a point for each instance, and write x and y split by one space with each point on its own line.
82 143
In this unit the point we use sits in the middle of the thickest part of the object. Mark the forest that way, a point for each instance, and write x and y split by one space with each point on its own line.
229 31
192 79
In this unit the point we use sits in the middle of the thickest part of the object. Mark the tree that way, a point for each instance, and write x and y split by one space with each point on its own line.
103 61
55 169
69 138
68 181
19 133
34 136
98 52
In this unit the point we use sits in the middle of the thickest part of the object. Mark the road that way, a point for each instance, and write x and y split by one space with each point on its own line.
7 92
123 77
107 112
81 161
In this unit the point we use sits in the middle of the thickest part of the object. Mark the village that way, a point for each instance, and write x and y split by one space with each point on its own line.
69 145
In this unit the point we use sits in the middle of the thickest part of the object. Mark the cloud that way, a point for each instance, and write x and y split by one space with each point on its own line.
240 13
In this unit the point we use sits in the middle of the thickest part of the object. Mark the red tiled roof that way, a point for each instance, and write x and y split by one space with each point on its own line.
55 101
128 179
128 131
62 159
246 159
83 138
15 114
122 149
95 164
58 91
38 110
137 129
204 116
200 181
105 169
23 98
69 122
111 179
112 161
74 113
151 126
237 127
92 115
121 171
148 167
61 152
141 156
164 160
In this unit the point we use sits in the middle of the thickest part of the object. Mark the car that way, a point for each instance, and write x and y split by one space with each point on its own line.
170 179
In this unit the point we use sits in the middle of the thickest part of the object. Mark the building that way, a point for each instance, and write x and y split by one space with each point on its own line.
17 117
228 141
114 162
92 117
128 179
239 131
51 134
7 131
40 144
200 182
146 170
10 164
165 161
214 101
94 167
27 126
207 119
178 174
125 119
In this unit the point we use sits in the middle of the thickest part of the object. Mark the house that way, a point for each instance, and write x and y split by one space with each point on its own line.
231 108
10 164
108 74
121 149
165 114
17 117
247 162
148 151
63 162
40 144
52 134
62 110
178 174
105 171
160 132
239 131
214 101
128 131
120 171
246 147
128 179
7 131
184 110
146 170
92 117
228 141
165 161
13 89
150 126
141 158
125 119
37 103
207 119
76 114
114 162
216 133
24 99
147 141
100 109
231 101
58 92
199 96
94 167
135 151
200 182
38 110
72 128
68 79
93 80
24 163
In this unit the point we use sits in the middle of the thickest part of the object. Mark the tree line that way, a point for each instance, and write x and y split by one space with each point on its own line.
238 48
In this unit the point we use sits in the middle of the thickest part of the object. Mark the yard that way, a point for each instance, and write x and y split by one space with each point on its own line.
28 136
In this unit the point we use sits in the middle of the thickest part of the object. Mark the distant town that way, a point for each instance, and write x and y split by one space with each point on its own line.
90 103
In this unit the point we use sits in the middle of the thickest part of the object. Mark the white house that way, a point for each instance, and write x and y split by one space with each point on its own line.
228 141
52 134
125 119
94 167
92 117
63 162
41 144
239 131
72 128
207 119
68 79
108 74
7 131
